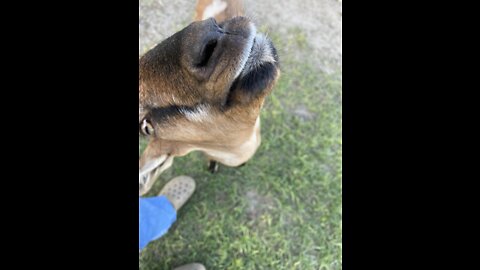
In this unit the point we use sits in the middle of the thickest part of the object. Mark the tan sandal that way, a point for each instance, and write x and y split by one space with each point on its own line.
191 266
178 191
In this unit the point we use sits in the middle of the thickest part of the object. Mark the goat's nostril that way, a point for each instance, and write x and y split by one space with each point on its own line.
207 52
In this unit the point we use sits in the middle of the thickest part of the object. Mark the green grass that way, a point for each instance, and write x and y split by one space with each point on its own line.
283 210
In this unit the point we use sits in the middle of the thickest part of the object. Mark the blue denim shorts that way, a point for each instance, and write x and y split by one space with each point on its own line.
156 215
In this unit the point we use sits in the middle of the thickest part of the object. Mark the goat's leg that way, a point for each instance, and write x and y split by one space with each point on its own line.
213 166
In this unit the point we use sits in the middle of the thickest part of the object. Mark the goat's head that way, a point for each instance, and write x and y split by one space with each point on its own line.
202 89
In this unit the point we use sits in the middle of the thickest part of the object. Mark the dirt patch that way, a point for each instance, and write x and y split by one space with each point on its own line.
159 19
257 204
320 20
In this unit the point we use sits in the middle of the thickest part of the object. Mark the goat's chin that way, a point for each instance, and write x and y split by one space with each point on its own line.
260 69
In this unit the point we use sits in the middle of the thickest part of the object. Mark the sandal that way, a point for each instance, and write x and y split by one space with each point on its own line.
191 266
178 191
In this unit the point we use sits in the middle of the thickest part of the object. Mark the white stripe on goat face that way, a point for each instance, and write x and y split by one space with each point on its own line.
198 114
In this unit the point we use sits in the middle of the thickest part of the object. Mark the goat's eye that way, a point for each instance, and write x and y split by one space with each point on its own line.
147 128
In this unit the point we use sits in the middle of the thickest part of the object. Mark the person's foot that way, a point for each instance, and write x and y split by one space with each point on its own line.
191 266
178 191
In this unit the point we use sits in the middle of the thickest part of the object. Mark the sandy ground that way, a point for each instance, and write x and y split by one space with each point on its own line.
320 20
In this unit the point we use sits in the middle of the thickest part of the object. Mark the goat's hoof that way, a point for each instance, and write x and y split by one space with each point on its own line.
213 167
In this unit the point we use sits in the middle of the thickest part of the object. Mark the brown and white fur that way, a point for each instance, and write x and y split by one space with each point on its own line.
202 89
